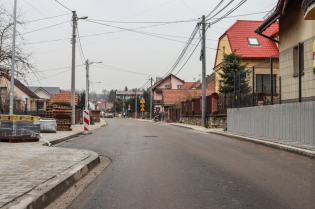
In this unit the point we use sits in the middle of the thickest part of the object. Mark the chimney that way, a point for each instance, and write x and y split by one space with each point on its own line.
158 79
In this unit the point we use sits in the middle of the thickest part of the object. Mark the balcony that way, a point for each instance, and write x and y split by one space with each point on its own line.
308 7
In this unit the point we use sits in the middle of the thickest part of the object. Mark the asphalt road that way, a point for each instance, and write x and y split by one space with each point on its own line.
163 166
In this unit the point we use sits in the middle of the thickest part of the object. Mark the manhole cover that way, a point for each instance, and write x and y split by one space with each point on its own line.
150 136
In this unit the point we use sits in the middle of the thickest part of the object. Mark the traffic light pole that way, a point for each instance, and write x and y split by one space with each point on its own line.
151 102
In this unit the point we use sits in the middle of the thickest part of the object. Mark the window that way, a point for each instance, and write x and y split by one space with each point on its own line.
296 60
40 105
167 86
3 90
178 86
263 83
253 42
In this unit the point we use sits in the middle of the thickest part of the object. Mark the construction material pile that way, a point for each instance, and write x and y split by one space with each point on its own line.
62 114
17 128
96 115
48 126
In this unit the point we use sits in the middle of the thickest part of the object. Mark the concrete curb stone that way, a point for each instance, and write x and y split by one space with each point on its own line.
280 146
44 194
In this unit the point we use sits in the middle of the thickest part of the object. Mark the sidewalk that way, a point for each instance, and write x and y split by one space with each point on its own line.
24 166
291 146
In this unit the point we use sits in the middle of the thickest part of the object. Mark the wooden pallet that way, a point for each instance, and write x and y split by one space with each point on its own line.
19 140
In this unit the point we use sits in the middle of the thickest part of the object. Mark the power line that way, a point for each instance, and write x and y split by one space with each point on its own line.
189 7
215 8
80 46
55 6
45 28
45 16
63 6
121 70
166 22
57 69
221 9
141 32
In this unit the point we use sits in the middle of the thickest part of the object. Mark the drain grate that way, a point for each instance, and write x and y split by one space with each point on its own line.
150 136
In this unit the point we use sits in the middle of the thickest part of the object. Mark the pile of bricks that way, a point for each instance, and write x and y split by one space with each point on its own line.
96 115
62 114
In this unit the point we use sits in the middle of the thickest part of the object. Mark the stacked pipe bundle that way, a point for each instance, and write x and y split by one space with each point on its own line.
16 128
62 114
96 115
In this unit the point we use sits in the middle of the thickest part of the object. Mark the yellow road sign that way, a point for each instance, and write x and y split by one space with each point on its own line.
142 101
142 105
142 109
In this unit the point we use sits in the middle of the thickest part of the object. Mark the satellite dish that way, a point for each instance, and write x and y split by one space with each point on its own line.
24 98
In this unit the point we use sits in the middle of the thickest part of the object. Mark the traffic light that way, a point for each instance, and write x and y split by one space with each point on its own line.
108 110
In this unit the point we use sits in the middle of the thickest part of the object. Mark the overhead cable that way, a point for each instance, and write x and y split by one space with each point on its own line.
63 6
215 8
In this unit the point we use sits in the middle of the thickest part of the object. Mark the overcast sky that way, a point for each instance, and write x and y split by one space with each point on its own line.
124 50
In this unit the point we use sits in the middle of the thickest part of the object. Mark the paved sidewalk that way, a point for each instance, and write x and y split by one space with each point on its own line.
76 130
23 166
292 146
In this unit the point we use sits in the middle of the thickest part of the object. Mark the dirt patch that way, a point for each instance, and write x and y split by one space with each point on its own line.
63 201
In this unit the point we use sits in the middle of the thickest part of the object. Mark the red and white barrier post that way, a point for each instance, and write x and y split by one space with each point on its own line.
86 120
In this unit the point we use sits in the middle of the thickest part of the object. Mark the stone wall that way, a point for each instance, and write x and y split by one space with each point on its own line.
213 121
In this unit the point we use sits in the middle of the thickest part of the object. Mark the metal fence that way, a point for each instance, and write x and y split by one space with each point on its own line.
287 77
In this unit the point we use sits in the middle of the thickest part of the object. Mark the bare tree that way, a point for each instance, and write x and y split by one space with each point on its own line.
24 68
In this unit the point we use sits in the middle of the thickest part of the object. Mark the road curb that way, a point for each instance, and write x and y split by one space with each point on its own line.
65 138
288 148
44 194
296 150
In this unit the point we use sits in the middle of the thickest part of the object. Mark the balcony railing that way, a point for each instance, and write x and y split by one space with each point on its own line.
308 6
158 101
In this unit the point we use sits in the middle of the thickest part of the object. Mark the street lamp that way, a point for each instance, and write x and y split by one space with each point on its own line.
87 63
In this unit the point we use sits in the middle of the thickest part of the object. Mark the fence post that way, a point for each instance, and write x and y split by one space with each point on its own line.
214 101
234 92
239 86
279 89
271 79
37 107
253 96
300 73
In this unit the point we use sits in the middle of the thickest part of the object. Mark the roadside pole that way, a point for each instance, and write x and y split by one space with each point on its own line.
74 25
204 101
136 105
13 62
87 85
151 102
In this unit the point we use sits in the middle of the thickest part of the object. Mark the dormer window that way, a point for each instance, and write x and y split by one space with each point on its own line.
253 42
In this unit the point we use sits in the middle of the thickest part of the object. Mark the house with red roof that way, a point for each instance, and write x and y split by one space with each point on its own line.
254 48
191 85
297 35
169 82
24 98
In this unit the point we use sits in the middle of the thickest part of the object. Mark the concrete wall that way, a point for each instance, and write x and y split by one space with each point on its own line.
292 122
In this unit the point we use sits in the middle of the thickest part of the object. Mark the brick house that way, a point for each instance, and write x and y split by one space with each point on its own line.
169 82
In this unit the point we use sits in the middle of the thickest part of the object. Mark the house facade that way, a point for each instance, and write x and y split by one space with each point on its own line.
23 96
297 42
242 39
169 82
44 92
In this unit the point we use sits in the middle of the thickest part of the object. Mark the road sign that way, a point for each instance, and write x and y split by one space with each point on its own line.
142 105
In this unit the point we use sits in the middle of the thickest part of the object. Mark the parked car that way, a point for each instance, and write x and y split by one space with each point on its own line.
110 115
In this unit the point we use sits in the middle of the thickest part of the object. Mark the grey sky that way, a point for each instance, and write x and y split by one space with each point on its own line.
126 50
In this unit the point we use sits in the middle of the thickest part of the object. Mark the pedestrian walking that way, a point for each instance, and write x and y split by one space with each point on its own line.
124 114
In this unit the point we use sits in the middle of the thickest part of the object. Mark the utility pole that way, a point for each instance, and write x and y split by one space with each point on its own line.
151 102
74 26
204 98
13 62
87 85
136 105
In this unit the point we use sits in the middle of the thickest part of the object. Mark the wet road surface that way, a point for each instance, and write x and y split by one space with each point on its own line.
163 166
